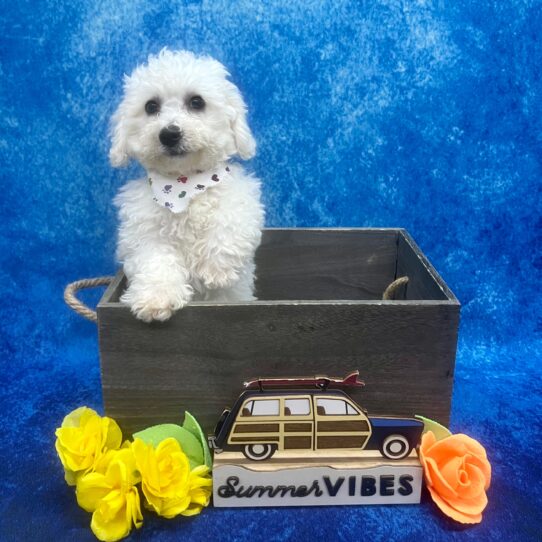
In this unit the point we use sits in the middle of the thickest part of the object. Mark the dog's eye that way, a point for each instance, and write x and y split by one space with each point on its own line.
197 103
152 107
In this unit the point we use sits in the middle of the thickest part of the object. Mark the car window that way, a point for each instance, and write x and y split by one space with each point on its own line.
262 407
296 407
350 409
333 407
247 409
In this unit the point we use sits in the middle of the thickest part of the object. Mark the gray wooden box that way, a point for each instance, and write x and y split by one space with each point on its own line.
319 311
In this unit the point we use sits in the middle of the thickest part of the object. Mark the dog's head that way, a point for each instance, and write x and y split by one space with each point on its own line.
180 113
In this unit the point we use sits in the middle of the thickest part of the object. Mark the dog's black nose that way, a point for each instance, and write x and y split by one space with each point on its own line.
170 135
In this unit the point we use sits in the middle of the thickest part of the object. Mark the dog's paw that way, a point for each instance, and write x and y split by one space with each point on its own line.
152 312
154 305
214 276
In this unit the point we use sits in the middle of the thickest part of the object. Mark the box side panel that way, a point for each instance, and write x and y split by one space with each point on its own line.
424 282
325 264
329 264
199 359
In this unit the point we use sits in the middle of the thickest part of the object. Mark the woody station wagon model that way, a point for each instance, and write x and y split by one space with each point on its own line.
271 416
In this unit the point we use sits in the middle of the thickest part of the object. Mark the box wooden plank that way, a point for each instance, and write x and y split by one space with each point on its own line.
339 264
424 281
405 350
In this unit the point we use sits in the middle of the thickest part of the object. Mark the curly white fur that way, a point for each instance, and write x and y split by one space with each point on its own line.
207 251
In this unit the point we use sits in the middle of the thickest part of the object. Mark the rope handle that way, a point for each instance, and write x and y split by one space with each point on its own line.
393 288
74 303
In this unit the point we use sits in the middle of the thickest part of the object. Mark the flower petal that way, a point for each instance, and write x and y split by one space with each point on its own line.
484 466
450 472
192 510
153 500
110 529
113 435
475 482
456 445
473 506
91 488
174 507
134 505
439 482
200 496
72 477
78 417
450 511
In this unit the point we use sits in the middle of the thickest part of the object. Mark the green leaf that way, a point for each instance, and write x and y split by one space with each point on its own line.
189 443
438 430
190 424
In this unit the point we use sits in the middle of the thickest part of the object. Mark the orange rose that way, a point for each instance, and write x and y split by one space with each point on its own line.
458 474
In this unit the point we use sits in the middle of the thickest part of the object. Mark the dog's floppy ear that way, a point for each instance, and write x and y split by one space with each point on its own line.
244 141
118 154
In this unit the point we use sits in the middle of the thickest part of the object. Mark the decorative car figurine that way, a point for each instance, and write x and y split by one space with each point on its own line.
309 414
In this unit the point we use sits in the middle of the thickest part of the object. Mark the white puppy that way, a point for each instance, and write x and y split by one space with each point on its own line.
190 228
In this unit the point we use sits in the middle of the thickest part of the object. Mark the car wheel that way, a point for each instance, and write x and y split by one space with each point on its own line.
395 447
259 452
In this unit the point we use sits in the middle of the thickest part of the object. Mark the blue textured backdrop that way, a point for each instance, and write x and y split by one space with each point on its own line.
425 115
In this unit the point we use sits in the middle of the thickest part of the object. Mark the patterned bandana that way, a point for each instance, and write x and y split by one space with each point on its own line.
174 193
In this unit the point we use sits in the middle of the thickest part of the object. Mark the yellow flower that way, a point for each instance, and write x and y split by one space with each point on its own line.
82 439
110 494
169 485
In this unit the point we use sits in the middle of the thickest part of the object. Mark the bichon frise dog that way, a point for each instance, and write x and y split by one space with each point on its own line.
189 229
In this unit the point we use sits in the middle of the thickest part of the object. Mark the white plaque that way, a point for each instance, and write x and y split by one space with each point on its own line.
341 483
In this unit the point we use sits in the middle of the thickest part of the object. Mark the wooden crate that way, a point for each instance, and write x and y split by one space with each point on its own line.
319 311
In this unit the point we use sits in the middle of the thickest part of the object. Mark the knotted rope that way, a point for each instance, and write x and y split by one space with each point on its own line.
393 288
74 303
